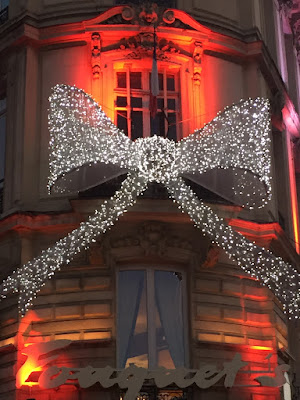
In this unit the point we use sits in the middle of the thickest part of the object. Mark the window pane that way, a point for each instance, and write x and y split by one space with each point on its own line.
136 124
172 132
135 80
161 81
132 319
169 325
170 83
122 121
121 101
157 125
171 104
163 355
136 102
121 78
160 104
138 347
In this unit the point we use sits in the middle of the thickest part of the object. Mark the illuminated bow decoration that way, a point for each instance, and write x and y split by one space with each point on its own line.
230 156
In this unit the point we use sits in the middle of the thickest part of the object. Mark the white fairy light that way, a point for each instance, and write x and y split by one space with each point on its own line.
236 143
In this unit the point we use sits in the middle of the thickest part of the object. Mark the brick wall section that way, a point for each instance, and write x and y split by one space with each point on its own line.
229 307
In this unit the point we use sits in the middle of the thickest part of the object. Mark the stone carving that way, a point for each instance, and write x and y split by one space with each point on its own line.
128 13
148 14
212 256
168 17
153 238
142 46
197 57
95 53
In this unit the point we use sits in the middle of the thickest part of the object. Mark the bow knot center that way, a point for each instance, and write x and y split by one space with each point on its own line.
156 158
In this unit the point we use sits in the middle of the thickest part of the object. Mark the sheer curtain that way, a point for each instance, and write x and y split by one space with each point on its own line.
168 294
130 287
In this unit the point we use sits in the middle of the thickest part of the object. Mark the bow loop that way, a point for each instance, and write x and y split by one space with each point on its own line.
156 159
231 155
86 147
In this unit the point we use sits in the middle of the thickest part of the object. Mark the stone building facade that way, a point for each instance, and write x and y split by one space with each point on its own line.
209 55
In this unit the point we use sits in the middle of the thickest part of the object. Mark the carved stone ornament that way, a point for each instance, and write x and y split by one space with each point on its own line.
153 238
145 14
197 57
150 14
141 46
95 53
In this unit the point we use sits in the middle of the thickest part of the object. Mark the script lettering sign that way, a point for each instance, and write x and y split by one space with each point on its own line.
133 377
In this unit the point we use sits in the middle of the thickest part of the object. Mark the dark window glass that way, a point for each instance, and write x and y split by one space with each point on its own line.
171 104
171 83
158 124
121 77
135 80
161 81
136 102
136 124
160 104
121 101
122 121
172 134
140 342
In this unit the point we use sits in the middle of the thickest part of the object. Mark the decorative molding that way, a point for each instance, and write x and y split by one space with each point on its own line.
148 15
95 53
197 57
153 238
141 46
150 239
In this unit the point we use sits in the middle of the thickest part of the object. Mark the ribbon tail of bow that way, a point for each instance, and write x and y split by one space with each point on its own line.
248 255
51 260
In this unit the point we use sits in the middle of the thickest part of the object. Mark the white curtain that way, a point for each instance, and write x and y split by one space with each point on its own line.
168 293
130 288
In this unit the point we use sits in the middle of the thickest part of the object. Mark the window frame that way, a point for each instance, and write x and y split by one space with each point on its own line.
144 94
150 301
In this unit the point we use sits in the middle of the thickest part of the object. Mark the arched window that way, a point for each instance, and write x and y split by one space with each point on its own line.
150 323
